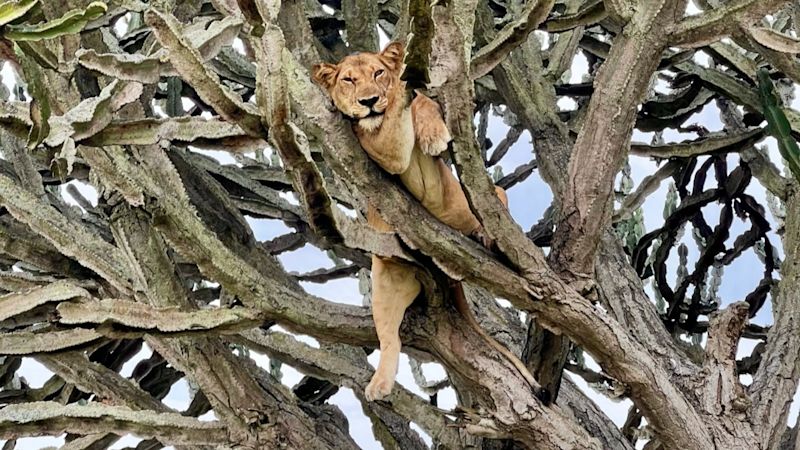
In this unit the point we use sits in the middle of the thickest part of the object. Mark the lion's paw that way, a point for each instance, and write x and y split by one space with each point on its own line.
379 387
433 137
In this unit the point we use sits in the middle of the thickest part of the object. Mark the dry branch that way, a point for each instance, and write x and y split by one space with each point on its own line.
50 418
720 22
190 64
290 141
579 320
23 301
775 381
170 232
137 316
721 389
510 37
72 239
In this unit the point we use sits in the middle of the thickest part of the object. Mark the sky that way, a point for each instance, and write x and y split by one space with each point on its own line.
527 202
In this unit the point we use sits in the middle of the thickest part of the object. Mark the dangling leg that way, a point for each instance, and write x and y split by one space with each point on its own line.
394 288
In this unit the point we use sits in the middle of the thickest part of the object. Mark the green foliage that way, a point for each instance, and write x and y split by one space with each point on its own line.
11 10
497 174
70 23
39 53
275 369
632 229
779 125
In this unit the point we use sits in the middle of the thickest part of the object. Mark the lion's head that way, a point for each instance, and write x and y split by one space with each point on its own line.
364 84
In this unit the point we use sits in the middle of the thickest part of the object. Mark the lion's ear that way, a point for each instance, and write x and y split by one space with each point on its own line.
324 74
394 53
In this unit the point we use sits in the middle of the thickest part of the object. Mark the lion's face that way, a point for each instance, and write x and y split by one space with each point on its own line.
362 85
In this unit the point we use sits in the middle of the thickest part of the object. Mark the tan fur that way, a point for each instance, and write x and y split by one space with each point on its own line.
404 140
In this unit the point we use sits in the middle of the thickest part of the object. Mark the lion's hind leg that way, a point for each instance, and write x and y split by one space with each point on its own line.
394 288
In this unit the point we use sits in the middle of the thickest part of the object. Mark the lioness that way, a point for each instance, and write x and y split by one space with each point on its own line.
404 139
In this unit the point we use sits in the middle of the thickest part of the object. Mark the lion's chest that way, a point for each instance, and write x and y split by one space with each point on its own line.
392 145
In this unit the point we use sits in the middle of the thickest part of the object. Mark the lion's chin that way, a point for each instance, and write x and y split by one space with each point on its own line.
370 123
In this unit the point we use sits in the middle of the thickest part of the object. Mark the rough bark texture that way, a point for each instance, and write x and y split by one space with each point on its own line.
166 254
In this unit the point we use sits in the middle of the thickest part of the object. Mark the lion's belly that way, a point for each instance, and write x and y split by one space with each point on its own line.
430 181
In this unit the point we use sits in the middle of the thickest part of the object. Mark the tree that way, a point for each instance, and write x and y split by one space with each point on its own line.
85 287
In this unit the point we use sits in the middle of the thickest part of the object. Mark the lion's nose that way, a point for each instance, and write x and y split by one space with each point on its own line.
368 102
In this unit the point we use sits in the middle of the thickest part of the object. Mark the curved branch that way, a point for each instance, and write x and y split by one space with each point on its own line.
710 144
510 37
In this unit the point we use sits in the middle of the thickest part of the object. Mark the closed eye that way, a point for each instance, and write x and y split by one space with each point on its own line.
347 79
378 73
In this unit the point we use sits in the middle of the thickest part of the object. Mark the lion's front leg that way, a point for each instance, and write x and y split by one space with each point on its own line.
394 288
429 127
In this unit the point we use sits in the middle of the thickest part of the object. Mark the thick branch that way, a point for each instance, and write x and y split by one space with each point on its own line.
290 141
138 316
529 96
721 388
360 17
775 383
458 95
50 418
602 143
